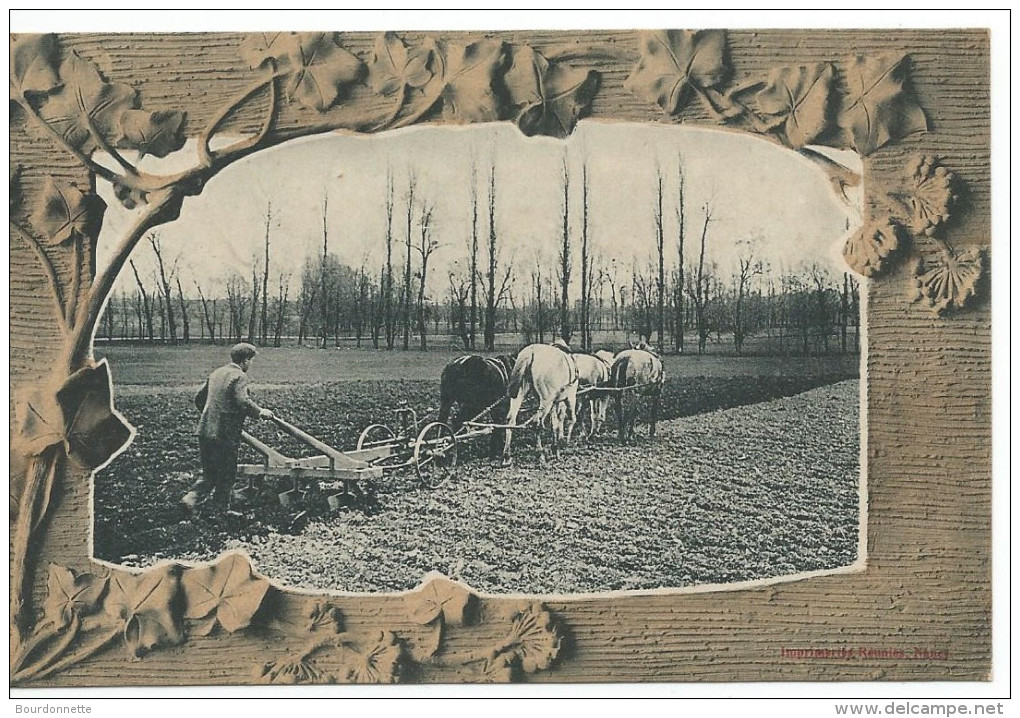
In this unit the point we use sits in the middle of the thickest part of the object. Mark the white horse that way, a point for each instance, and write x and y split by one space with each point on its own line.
642 370
552 374
593 371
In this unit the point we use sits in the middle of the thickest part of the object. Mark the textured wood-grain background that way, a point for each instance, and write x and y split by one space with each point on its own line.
927 583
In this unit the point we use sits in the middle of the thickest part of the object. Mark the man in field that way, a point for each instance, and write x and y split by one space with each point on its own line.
225 404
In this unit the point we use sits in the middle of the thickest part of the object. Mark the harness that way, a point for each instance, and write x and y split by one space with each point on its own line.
575 375
500 368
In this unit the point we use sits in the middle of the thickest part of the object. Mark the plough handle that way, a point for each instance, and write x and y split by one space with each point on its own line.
271 456
307 438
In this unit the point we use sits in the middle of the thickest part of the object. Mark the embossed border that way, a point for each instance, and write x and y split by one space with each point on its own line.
75 623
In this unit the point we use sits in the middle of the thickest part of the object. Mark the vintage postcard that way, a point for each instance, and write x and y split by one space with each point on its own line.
446 356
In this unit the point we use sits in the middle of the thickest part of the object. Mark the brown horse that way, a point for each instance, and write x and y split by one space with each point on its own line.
643 370
552 374
593 371
470 384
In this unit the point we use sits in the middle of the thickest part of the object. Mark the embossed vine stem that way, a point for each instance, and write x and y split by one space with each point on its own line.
40 475
42 670
51 275
156 213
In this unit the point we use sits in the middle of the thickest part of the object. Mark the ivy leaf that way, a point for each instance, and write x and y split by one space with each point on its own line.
867 251
93 433
878 108
64 212
674 62
260 47
549 97
38 422
86 99
149 605
70 594
320 69
34 61
799 99
470 73
226 591
80 415
151 133
394 67
441 598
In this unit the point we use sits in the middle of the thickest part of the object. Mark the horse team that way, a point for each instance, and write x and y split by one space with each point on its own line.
566 384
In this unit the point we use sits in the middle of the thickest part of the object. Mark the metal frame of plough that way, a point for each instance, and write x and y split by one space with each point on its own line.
431 452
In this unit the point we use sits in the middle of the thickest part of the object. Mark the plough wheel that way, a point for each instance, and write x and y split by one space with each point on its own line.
435 454
375 434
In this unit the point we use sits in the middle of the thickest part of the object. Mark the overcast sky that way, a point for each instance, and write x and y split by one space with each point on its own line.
755 189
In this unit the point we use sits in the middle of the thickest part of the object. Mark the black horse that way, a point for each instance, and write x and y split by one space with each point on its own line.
472 383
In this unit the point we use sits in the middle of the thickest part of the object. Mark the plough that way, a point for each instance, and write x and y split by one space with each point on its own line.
430 449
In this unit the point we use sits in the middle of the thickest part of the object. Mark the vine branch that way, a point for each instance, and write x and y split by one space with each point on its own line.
109 149
206 155
40 475
89 310
50 272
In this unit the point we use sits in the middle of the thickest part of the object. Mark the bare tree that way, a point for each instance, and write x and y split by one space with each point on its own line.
309 295
660 283
323 294
361 305
678 295
820 279
387 280
264 324
426 247
237 302
848 310
565 260
210 316
613 278
643 302
473 325
164 285
146 304
186 328
162 318
378 319
281 307
699 293
747 267
493 260
412 183
252 316
460 293
586 262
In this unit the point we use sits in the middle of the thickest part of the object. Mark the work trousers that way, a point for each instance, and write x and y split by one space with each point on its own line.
219 469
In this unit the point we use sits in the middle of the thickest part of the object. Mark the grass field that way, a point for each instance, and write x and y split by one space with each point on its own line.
165 366
775 422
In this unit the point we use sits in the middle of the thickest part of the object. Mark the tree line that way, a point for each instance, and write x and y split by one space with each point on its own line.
680 300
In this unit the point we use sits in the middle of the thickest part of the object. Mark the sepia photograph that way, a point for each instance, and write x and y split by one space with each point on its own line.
629 360
623 350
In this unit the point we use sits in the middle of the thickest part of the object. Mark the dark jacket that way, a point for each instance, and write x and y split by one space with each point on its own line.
225 404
